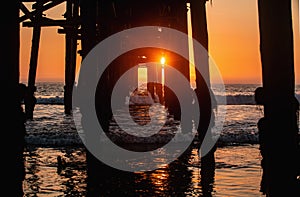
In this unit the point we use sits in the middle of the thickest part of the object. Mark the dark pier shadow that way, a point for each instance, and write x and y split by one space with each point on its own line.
175 179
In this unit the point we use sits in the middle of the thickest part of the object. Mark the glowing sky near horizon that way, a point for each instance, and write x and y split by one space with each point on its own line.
233 43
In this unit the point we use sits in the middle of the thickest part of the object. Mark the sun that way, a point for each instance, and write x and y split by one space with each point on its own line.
163 60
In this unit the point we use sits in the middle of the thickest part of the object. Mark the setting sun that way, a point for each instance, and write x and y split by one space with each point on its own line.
163 60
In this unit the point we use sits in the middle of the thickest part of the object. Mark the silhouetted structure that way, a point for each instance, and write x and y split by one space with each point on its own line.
114 16
70 27
98 19
93 21
278 129
12 118
104 19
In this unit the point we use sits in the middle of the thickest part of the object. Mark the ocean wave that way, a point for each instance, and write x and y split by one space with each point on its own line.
230 100
237 99
54 140
50 100
75 140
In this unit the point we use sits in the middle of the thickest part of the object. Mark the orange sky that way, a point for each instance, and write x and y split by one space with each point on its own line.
233 44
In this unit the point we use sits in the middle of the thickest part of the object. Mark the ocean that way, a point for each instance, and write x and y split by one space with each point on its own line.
51 133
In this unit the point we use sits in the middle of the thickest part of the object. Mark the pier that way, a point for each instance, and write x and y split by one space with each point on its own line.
91 21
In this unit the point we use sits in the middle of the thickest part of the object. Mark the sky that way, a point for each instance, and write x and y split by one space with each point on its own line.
233 44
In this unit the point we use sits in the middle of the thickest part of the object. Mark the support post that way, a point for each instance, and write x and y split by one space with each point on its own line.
278 128
30 100
70 56
88 41
12 118
200 34
171 101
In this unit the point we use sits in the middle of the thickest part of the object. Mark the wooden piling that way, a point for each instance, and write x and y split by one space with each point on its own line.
72 9
88 10
30 101
200 34
278 128
180 24
12 116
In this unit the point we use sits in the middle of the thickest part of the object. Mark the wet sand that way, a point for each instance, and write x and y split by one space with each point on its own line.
237 173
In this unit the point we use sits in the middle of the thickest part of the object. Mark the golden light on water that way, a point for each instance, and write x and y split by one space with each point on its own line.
142 77
191 50
163 76
143 74
163 61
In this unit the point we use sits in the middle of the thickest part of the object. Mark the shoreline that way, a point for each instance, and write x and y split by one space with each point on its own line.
237 174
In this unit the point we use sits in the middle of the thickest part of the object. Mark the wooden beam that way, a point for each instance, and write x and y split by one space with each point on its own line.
26 11
42 9
64 31
36 5
47 22
31 1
